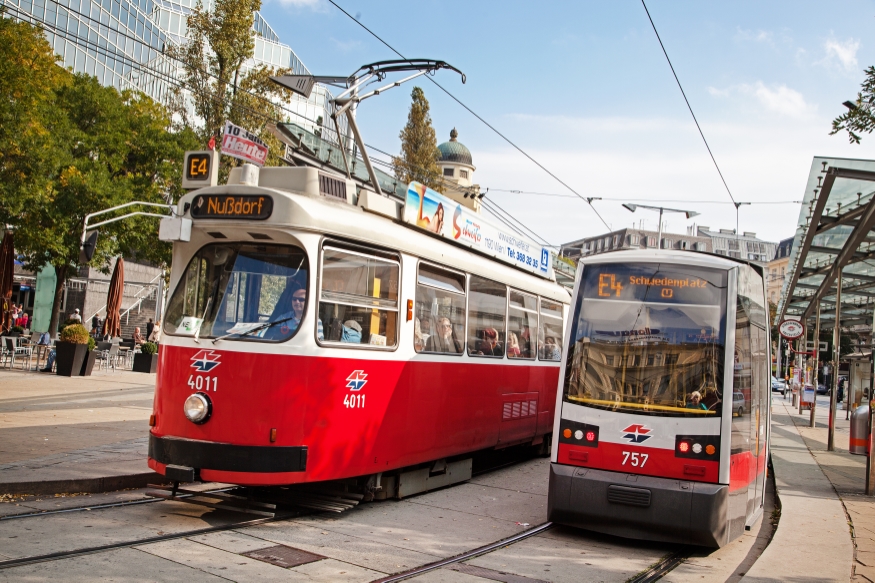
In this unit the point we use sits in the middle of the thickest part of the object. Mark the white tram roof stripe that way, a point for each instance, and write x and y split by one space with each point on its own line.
338 219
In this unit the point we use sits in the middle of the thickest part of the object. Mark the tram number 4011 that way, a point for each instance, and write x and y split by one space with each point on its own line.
635 459
202 383
354 401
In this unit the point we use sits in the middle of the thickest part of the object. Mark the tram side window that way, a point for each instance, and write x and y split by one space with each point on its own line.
440 311
550 333
487 312
522 322
358 302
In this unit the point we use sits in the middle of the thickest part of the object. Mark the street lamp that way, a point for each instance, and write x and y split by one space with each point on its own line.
661 209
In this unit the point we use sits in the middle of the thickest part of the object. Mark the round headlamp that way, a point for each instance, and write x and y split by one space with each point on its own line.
197 408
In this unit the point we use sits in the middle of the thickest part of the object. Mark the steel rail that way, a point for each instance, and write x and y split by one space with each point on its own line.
10 563
466 555
100 506
663 567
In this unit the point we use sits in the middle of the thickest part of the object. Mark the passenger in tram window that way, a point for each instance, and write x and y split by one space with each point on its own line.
352 332
489 346
695 401
551 350
444 340
418 340
513 346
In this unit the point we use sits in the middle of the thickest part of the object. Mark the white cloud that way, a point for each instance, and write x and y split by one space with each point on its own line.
765 36
346 46
318 5
842 54
777 98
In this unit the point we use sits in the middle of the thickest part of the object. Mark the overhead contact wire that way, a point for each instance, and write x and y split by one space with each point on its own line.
472 112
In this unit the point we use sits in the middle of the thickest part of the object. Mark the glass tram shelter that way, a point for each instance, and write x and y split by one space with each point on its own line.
831 280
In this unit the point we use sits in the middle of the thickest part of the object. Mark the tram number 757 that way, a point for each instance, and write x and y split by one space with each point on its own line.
635 459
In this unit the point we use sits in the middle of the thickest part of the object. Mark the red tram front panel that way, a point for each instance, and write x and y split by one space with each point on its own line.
354 416
685 449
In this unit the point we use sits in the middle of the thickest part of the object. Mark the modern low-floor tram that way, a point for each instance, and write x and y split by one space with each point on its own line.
662 413
310 336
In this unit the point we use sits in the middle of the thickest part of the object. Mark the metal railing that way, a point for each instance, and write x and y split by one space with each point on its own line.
149 286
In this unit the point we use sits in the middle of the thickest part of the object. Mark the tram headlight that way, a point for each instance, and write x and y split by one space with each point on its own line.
197 408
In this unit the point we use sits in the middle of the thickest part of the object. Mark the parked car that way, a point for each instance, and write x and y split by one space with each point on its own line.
778 385
822 389
738 403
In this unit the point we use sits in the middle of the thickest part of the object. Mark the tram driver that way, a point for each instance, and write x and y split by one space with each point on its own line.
289 320
695 401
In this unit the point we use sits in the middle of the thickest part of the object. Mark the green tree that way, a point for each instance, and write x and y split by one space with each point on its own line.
29 76
220 43
419 153
859 119
112 148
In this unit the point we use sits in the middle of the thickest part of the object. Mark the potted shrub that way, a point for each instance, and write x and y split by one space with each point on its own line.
147 359
90 358
16 331
71 350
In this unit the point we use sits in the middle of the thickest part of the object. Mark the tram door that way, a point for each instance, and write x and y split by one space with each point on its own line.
752 352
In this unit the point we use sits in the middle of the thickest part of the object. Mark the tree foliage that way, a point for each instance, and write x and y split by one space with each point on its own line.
419 153
221 87
860 119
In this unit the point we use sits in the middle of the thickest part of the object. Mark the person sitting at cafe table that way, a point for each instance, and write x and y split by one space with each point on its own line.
138 337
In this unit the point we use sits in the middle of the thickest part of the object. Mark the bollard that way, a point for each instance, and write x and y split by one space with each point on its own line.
859 440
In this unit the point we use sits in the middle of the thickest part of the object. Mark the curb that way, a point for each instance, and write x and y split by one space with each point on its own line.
85 485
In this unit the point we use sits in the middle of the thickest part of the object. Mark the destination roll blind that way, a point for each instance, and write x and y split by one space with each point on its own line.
230 206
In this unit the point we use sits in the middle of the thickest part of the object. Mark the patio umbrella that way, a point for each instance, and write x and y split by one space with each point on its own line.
7 259
113 323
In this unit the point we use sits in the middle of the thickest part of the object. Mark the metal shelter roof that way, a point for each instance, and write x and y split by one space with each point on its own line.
834 238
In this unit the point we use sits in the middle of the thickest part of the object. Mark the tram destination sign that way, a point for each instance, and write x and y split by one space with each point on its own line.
433 212
231 206
791 329
651 282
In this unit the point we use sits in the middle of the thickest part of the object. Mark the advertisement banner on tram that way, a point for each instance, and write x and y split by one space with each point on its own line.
238 143
436 213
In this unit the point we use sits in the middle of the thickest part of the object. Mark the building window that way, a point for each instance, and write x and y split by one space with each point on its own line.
463 174
633 240
616 240
448 172
651 241
667 243
600 244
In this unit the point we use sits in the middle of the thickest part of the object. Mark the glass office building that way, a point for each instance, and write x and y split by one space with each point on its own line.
122 43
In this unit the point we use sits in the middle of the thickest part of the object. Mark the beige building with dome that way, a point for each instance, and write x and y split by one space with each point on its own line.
457 170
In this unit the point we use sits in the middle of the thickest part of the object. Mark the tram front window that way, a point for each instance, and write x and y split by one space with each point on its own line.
241 291
649 338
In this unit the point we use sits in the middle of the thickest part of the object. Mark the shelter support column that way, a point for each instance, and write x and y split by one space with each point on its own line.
870 467
816 363
836 349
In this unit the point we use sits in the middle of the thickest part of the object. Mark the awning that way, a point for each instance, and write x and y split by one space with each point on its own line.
834 238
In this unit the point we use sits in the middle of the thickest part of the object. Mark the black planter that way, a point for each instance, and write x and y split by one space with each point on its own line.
69 358
88 363
145 362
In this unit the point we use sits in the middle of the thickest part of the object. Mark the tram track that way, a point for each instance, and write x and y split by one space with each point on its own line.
92 507
662 568
19 562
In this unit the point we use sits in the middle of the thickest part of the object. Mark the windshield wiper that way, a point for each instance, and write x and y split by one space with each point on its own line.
258 328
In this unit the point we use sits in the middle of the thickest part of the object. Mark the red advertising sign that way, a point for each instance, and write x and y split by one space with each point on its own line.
238 143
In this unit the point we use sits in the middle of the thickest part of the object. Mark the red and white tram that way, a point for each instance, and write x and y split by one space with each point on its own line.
308 338
662 414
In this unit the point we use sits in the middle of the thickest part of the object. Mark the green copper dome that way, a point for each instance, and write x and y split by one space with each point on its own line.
454 151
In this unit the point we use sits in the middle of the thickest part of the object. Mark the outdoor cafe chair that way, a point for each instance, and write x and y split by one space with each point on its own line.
14 351
109 357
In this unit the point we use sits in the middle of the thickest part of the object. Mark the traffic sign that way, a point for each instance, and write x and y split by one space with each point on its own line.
791 329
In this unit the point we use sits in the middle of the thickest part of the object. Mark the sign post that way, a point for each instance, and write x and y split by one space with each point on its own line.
794 330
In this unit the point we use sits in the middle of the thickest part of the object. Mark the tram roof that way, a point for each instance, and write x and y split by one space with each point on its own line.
696 258
834 238
337 218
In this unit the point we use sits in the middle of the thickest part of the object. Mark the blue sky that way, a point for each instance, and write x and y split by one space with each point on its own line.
584 88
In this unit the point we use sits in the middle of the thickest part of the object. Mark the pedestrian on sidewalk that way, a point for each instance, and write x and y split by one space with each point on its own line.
75 316
155 336
149 327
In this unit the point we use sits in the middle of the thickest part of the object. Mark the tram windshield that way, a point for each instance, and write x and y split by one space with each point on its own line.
649 338
241 291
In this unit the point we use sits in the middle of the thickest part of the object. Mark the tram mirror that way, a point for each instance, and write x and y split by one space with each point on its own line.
86 250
